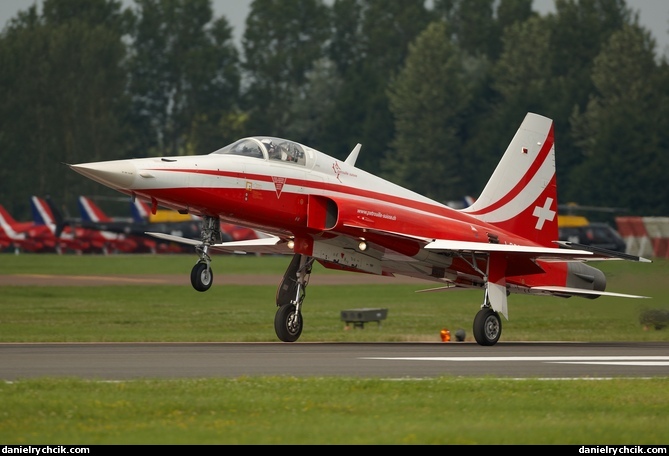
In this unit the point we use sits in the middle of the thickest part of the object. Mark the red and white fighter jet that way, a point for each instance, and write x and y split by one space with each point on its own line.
318 208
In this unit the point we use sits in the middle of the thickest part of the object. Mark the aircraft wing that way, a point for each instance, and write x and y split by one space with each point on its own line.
567 251
268 245
170 237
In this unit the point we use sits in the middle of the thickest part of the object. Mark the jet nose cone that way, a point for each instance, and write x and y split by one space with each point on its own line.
116 174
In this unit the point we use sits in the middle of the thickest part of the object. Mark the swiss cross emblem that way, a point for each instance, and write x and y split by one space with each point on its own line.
279 182
544 213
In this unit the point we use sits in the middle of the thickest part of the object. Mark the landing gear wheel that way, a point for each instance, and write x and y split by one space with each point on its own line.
487 327
288 323
201 277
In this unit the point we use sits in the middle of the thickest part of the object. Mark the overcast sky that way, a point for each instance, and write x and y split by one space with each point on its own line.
653 14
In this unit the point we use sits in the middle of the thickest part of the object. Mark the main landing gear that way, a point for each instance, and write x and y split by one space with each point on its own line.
487 325
289 297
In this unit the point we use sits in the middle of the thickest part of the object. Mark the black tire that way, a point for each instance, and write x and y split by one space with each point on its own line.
487 327
201 277
288 323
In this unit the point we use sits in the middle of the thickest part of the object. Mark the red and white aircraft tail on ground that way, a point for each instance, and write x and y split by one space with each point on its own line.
40 235
71 235
53 231
318 208
111 235
22 236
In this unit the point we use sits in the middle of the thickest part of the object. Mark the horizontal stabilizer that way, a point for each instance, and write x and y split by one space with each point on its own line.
552 290
612 254
447 245
567 291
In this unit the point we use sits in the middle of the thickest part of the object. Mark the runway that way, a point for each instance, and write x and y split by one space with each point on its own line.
125 361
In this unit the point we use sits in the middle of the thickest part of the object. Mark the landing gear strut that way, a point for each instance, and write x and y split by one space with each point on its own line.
487 324
289 297
201 276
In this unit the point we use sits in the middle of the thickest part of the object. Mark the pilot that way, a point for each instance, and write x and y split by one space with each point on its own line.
285 153
272 151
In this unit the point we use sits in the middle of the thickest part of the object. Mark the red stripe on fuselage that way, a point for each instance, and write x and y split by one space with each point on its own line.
344 190
262 209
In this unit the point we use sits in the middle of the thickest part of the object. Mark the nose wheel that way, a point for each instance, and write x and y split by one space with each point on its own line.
201 276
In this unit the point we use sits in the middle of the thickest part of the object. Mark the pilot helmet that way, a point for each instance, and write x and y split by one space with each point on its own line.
270 146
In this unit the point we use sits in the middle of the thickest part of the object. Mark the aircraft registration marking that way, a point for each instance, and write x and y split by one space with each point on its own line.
600 360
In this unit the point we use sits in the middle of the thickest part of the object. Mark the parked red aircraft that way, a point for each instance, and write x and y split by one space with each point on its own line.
145 220
22 236
124 236
53 231
72 236
318 208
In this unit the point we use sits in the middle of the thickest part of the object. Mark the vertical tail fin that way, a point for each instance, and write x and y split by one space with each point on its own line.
91 212
8 224
6 216
521 195
42 214
140 211
45 212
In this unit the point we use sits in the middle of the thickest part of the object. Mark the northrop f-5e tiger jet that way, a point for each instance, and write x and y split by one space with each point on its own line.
318 208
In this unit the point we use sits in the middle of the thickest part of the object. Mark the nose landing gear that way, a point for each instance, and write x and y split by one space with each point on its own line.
201 276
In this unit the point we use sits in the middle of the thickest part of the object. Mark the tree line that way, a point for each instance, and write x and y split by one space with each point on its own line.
433 91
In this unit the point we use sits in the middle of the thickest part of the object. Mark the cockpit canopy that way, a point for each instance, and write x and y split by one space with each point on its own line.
267 148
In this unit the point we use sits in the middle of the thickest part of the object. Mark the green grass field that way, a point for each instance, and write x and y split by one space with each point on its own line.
231 312
268 410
